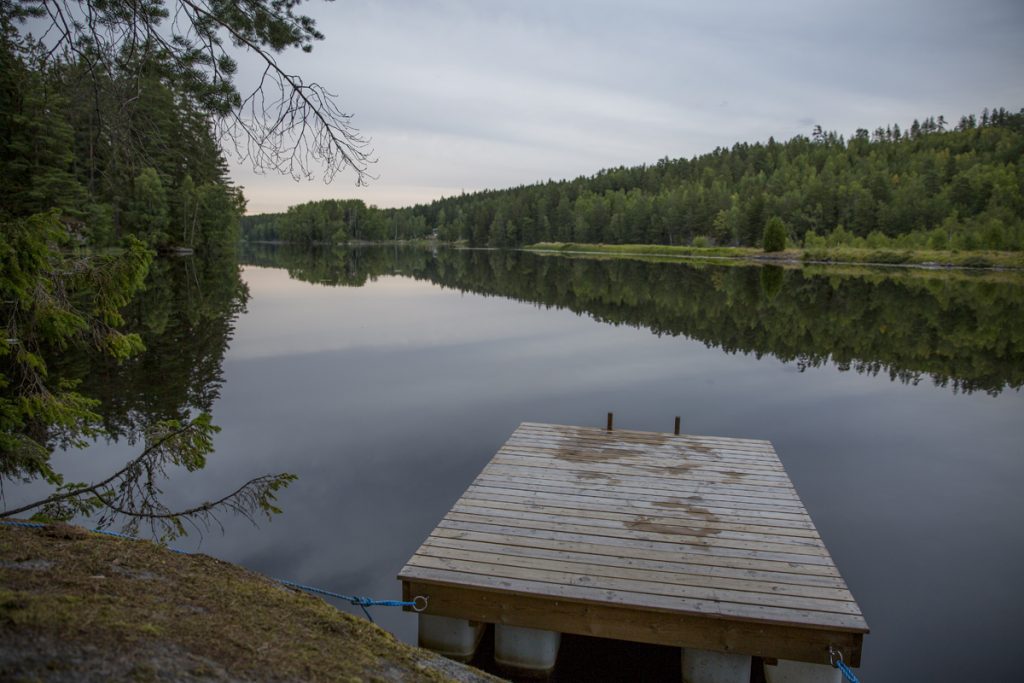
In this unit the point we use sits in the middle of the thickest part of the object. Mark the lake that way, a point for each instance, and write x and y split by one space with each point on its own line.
386 378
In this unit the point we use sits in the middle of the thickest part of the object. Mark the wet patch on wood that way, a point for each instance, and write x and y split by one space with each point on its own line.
699 448
688 507
671 469
593 476
592 455
647 524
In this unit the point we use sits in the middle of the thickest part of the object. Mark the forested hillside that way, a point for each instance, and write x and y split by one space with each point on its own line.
116 156
930 185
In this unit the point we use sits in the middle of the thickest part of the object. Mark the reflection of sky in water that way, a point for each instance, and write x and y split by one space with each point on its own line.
388 399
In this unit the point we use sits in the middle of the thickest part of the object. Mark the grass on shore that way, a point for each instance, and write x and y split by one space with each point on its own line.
850 255
65 592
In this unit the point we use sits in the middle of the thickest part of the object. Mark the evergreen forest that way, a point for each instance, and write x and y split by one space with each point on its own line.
929 185
115 156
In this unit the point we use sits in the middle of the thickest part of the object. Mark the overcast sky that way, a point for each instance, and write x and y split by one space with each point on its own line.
471 95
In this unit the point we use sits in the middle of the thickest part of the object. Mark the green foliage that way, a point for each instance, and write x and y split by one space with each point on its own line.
109 145
813 240
53 299
118 46
329 221
928 187
774 235
976 262
772 279
146 211
114 164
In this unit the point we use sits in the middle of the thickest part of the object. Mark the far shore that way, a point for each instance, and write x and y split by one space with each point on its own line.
849 256
998 260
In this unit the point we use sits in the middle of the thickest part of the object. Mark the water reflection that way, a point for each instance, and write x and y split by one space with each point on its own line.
186 317
387 397
959 329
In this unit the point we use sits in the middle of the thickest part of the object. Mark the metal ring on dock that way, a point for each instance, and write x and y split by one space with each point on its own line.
420 600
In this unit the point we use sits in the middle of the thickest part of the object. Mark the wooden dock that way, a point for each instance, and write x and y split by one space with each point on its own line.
691 541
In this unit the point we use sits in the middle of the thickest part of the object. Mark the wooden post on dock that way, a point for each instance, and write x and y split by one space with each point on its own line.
610 416
678 420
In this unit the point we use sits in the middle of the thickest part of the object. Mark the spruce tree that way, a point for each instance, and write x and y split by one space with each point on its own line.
774 235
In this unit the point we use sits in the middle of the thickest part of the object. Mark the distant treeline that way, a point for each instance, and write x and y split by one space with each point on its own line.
128 154
930 185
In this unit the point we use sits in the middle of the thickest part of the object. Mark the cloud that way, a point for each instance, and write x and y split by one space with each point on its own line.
470 95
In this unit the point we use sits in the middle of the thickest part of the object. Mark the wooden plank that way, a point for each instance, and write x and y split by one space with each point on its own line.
647 466
729 599
608 566
680 507
666 445
641 527
699 504
576 432
691 502
611 520
632 542
582 479
666 486
688 537
753 613
660 627
586 481
640 454
581 475
622 513
644 553
695 499
630 476
725 474
782 580
655 454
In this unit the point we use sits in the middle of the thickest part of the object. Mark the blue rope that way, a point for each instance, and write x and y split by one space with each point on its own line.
354 599
27 525
835 657
362 602
841 665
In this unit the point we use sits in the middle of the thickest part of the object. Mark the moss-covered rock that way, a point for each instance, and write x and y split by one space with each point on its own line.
76 606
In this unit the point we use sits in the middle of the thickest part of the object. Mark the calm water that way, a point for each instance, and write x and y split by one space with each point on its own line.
386 379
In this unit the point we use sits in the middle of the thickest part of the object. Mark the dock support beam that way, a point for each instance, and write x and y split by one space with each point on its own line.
454 638
802 672
526 649
706 666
